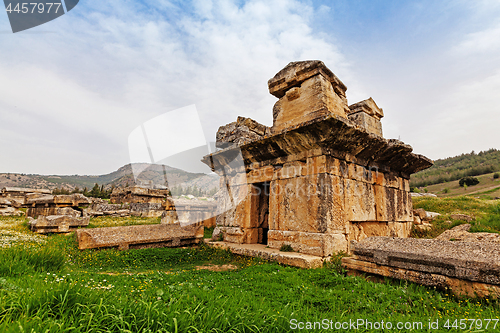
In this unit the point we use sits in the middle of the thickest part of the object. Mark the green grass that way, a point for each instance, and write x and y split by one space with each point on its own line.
485 214
59 288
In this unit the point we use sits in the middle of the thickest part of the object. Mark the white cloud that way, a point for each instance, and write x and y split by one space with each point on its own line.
112 67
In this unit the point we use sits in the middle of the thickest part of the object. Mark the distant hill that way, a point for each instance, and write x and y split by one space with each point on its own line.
151 174
454 168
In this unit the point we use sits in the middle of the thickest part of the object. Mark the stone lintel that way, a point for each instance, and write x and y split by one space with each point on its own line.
297 72
328 132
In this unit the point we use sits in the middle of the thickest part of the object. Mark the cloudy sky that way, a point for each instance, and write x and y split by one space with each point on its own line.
73 90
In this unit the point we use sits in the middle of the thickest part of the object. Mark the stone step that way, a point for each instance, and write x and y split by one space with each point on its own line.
262 251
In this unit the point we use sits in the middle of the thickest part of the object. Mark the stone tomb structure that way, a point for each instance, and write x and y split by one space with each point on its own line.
57 213
19 196
46 205
320 177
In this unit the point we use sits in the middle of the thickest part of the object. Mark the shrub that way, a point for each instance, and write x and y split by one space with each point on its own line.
446 190
469 181
496 175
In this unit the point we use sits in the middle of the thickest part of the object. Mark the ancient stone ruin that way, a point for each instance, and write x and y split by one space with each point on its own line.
57 223
186 211
140 236
137 194
46 205
57 213
468 268
320 177
13 198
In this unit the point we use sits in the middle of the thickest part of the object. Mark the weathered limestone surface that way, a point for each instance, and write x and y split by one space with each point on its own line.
57 224
18 196
306 90
458 286
138 194
367 115
240 132
46 205
323 177
472 261
140 236
124 210
7 209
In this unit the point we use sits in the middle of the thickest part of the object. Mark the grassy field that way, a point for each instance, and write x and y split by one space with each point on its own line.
48 285
488 188
485 214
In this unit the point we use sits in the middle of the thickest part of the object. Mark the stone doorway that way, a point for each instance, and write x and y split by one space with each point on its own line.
263 210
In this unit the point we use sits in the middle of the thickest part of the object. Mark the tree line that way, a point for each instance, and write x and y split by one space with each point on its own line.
458 167
96 191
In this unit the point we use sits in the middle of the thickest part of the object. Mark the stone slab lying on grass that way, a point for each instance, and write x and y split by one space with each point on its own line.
471 261
140 236
458 286
57 224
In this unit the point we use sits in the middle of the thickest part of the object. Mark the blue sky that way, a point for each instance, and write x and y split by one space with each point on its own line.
72 90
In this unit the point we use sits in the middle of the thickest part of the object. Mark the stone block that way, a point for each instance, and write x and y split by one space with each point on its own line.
316 164
367 122
472 261
317 244
297 72
392 180
369 107
140 236
313 99
240 235
309 203
404 206
260 175
47 211
367 115
57 224
457 286
359 201
292 170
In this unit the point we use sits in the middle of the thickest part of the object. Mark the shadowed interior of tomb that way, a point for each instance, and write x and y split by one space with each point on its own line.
329 174
262 190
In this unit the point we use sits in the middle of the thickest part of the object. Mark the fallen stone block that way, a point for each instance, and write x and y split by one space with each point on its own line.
10 211
140 236
57 224
429 261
